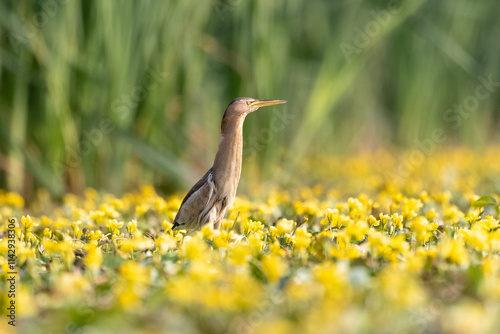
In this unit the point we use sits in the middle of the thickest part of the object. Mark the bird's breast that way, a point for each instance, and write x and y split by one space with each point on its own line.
227 164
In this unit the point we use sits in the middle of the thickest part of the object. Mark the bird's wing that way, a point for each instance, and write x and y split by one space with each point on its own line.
197 201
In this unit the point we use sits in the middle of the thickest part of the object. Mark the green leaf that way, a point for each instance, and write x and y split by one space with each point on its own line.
112 261
485 201
257 272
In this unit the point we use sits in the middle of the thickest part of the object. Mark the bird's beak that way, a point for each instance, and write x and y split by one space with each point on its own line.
265 103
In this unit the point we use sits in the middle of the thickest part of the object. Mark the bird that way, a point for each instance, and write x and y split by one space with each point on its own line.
210 197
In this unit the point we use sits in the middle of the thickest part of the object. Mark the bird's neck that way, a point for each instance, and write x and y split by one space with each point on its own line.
227 163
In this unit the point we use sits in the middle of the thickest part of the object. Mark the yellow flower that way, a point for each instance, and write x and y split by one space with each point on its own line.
341 207
64 249
256 243
136 244
377 239
476 237
398 220
278 197
160 205
410 208
399 244
372 221
423 196
239 253
273 266
142 209
332 279
454 251
443 197
302 238
97 216
133 272
355 207
431 214
28 223
357 230
489 223
393 207
165 242
114 226
193 248
275 326
222 239
128 296
422 229
238 269
384 218
308 207
250 226
14 199
422 252
25 298
25 252
273 231
167 226
275 248
46 221
132 227
332 218
73 285
397 198
95 235
207 232
117 236
284 226
400 288
47 232
135 279
93 259
453 214
108 211
76 229
472 217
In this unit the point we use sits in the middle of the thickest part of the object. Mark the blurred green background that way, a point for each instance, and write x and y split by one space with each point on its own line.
115 94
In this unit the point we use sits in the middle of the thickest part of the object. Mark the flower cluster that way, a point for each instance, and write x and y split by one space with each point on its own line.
412 256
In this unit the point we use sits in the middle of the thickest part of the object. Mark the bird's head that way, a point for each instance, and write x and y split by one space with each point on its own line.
242 106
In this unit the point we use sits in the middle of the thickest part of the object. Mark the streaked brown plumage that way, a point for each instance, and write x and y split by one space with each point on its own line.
210 197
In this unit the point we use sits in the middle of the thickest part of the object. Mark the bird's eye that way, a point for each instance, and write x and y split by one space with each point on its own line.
248 102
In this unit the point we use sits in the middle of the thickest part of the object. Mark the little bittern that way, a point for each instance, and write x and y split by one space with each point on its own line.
210 197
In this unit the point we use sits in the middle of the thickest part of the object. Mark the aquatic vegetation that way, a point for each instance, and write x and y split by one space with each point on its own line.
416 253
